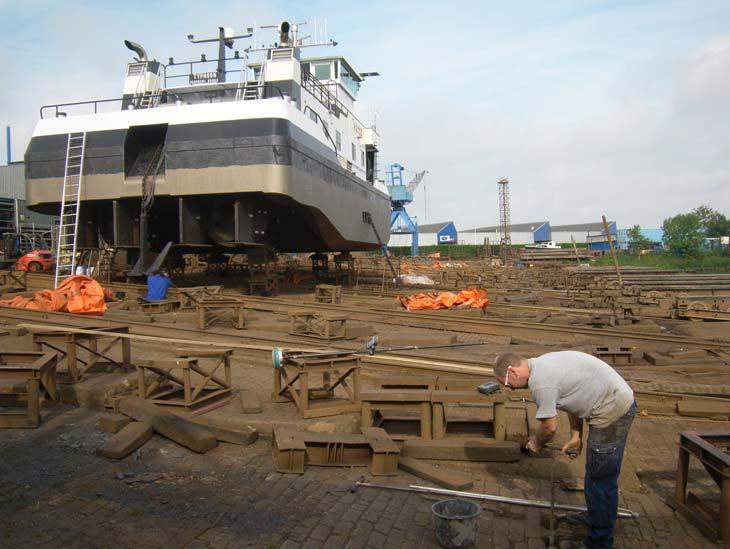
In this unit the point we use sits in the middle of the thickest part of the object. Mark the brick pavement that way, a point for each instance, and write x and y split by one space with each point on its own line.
55 492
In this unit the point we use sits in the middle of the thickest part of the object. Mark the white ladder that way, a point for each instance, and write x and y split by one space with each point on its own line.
70 202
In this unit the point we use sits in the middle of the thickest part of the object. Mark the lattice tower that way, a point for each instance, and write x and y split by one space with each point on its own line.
505 241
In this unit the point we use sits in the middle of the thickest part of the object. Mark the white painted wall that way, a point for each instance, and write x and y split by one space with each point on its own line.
477 238
563 237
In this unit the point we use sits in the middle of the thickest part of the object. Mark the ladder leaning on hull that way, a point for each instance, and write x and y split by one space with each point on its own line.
70 203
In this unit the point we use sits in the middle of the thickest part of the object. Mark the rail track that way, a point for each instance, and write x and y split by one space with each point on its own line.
436 320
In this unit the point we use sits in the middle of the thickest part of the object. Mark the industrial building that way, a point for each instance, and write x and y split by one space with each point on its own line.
430 234
522 233
14 215
591 233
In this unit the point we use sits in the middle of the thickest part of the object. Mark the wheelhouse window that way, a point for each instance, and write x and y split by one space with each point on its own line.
349 81
323 71
338 140
354 152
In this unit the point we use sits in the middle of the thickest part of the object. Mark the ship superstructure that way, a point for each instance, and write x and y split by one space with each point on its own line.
270 153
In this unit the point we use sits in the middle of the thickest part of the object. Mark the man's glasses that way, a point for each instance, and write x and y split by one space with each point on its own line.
506 379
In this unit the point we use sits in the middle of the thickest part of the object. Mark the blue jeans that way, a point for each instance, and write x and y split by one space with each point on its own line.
603 465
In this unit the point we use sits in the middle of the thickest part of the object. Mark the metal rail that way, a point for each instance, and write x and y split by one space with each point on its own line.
439 321
97 102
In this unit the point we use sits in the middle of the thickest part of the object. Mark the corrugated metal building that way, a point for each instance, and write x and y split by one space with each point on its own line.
14 216
429 234
581 232
522 233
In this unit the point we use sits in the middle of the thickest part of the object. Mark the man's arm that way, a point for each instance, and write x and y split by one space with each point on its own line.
576 436
544 434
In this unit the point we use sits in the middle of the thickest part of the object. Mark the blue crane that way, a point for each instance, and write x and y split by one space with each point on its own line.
400 196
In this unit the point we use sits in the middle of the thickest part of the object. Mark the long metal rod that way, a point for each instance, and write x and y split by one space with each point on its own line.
622 513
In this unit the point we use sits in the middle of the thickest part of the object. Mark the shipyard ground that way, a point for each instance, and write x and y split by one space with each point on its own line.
55 492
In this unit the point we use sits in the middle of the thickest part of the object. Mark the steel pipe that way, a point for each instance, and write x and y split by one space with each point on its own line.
622 513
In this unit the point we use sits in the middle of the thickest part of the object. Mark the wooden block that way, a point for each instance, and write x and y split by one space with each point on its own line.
113 423
250 402
125 441
657 359
196 437
462 449
356 332
242 436
688 353
516 426
711 410
448 478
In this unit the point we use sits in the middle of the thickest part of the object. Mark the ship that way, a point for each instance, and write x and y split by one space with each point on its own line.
265 151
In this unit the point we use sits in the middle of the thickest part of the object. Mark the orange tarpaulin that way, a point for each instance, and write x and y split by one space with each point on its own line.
471 297
77 294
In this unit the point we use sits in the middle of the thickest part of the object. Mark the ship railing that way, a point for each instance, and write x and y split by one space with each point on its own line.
320 91
322 94
55 111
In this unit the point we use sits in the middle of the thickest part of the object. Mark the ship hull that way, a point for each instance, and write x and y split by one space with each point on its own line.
230 178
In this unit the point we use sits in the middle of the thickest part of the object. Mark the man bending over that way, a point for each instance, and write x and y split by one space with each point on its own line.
587 389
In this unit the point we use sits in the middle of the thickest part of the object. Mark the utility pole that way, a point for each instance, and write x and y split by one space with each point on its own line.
505 242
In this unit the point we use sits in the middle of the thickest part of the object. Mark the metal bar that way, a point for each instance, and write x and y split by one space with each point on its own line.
541 504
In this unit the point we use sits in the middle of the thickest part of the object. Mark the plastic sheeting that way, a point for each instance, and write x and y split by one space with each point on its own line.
475 298
77 294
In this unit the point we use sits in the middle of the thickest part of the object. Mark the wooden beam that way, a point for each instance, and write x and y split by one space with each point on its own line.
462 449
196 437
125 441
442 476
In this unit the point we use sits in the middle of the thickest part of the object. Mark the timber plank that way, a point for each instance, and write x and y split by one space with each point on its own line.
195 437
126 441
448 478
709 409
113 422
462 449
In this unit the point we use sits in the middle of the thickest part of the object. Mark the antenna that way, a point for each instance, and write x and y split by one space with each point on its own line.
505 242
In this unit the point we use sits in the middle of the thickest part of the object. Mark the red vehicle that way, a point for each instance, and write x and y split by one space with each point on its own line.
37 260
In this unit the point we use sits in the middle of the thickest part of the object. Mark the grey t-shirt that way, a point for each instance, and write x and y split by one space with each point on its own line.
580 384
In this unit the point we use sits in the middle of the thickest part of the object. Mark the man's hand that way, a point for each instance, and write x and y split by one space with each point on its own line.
533 445
573 447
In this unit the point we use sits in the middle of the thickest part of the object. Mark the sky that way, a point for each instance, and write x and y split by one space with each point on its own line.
587 107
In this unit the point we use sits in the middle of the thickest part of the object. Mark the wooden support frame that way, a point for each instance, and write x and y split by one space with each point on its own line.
440 399
185 382
711 450
14 279
328 293
292 383
266 283
190 296
292 450
27 379
307 323
220 310
71 345
617 356
417 403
